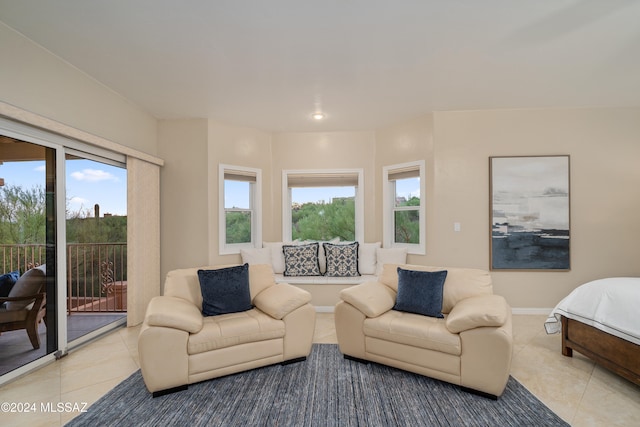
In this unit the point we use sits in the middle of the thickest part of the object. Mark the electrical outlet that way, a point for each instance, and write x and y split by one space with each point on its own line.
456 227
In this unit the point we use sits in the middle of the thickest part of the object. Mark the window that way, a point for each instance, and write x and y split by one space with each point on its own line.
322 205
404 207
240 208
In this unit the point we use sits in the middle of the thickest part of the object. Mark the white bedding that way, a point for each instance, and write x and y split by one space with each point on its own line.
610 305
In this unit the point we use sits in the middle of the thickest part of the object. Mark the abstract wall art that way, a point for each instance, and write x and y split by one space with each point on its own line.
530 213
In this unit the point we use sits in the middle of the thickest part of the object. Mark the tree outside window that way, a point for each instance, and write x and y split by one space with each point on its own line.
323 219
240 208
404 207
406 211
323 204
237 211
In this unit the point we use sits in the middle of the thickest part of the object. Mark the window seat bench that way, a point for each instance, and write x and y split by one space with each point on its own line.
325 291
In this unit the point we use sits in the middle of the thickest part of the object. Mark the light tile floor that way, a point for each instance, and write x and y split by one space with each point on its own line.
579 392
16 349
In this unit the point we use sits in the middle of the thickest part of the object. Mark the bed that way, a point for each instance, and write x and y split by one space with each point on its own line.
600 320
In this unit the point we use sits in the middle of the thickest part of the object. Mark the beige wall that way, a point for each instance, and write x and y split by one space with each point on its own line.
237 146
34 80
605 206
184 194
456 146
405 142
193 149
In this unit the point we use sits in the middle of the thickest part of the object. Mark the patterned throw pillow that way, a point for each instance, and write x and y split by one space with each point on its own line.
342 260
301 260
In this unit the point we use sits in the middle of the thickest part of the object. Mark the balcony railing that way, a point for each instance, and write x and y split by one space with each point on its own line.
96 273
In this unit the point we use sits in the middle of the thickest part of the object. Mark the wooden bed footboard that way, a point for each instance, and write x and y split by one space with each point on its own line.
609 351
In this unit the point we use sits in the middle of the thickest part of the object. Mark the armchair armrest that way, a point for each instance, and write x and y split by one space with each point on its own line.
477 312
371 298
174 312
281 299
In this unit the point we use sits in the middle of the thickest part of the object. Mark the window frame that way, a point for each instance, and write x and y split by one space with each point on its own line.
389 207
255 207
287 199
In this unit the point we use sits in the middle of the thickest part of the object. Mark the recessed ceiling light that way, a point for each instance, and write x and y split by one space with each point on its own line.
317 116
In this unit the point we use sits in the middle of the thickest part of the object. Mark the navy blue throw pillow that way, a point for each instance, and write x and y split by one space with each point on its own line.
225 290
420 292
7 281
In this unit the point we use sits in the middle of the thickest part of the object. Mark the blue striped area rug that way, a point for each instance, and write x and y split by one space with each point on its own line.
324 390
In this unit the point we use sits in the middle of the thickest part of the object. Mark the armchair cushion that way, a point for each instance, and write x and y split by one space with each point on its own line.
420 292
279 300
174 312
29 283
8 316
371 298
461 283
228 330
477 312
225 290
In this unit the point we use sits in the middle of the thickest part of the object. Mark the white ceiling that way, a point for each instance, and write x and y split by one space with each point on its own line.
365 63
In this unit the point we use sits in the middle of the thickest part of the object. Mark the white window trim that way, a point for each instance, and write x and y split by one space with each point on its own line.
255 200
388 197
286 199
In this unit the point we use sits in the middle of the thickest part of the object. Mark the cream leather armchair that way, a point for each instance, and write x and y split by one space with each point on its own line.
179 346
471 346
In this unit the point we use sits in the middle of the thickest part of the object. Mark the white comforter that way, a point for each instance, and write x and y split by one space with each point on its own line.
611 305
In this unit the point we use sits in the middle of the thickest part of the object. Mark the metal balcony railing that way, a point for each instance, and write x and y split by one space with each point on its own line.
96 273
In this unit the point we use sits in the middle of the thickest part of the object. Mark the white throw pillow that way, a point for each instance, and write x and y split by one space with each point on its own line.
390 256
256 256
277 256
367 257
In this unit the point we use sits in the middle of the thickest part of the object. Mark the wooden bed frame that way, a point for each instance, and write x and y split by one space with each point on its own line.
613 353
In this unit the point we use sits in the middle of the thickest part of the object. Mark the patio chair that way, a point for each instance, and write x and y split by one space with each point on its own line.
25 307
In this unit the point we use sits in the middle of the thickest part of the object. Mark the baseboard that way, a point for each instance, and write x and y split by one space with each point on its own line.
536 311
324 308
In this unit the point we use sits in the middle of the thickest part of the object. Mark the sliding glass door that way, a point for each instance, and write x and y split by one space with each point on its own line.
63 245
28 286
96 241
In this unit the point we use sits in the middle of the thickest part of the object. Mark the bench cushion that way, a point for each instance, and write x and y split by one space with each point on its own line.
324 280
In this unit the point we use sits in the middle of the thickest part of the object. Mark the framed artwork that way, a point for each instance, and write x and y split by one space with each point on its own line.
529 212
